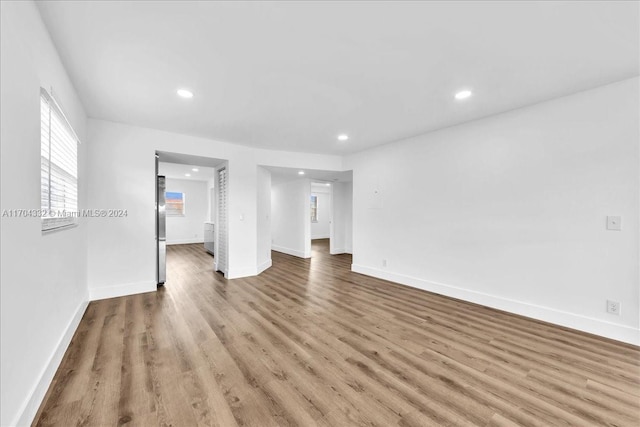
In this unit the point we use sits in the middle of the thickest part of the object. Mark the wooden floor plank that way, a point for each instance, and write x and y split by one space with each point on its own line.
308 343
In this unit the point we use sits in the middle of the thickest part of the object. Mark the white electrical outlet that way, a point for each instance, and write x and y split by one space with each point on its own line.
613 307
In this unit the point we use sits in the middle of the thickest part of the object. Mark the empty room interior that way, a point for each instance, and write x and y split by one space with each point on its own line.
309 213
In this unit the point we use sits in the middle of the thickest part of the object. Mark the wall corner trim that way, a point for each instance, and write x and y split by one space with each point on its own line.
320 236
590 325
288 251
185 241
105 292
31 405
240 273
267 264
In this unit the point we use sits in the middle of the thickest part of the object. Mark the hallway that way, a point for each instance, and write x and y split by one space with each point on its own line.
310 343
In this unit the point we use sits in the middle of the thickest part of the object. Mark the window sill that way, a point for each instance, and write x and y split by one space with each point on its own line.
61 228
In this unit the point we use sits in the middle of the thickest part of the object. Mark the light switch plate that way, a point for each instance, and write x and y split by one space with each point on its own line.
614 223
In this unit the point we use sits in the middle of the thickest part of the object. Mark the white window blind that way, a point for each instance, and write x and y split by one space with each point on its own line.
222 221
314 208
59 166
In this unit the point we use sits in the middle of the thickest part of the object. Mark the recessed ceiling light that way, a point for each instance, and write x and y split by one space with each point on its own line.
187 174
463 94
195 169
300 172
343 137
184 93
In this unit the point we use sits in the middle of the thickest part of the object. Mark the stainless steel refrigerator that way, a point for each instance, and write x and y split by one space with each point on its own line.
161 236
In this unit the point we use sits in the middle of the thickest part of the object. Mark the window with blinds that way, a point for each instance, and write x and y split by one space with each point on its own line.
59 166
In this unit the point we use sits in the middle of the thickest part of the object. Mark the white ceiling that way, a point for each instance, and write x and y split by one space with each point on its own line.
293 75
176 165
188 159
178 171
279 175
321 187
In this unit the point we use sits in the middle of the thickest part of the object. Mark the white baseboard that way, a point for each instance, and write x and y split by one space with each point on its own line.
32 404
563 318
122 290
321 236
240 273
247 272
339 251
288 251
185 241
262 267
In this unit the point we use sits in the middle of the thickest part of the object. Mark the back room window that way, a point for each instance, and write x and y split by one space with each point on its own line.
174 203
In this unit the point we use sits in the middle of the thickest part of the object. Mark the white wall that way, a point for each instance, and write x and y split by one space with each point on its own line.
507 211
342 239
510 211
190 227
44 289
347 206
290 213
264 219
320 229
127 182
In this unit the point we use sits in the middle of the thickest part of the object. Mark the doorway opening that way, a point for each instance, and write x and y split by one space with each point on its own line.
311 211
186 207
321 212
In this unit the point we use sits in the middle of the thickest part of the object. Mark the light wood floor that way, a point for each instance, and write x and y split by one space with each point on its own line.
310 343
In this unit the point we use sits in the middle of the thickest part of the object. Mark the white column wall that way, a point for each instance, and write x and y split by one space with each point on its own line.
341 241
290 214
264 219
